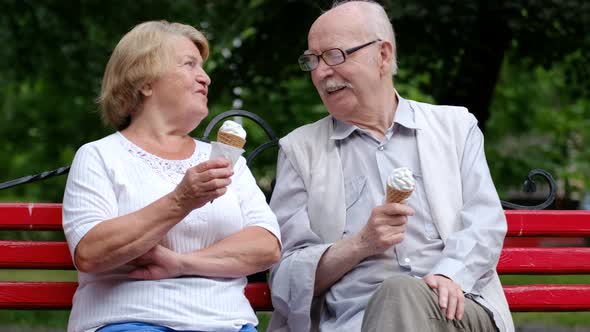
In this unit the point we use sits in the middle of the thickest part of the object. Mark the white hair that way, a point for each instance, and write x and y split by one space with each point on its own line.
377 23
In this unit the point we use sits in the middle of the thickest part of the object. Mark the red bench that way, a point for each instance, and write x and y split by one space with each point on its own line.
54 255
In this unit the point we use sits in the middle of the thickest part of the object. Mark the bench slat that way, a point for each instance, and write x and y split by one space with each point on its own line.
544 261
30 216
258 293
36 295
56 255
58 295
47 216
35 255
550 298
514 260
552 223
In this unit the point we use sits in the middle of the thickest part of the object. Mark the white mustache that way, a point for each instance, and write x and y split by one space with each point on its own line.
331 84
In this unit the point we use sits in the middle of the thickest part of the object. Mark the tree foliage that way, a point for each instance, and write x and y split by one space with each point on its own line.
450 51
463 44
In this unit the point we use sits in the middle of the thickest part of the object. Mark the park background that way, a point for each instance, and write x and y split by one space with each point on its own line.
521 66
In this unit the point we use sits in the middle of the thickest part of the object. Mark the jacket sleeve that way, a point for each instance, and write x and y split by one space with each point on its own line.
470 255
292 279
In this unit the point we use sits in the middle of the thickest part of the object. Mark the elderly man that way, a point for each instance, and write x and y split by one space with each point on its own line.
351 262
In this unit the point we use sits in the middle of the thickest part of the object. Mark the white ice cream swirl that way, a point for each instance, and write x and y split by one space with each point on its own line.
232 127
401 179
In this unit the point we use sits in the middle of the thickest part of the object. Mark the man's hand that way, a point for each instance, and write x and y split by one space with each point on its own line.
385 228
450 295
158 263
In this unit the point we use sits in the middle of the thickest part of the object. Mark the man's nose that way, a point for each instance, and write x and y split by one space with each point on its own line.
322 70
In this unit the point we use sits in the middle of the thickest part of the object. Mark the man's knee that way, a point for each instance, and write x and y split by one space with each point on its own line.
401 284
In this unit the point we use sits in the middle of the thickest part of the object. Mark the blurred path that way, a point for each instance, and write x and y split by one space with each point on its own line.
551 329
518 329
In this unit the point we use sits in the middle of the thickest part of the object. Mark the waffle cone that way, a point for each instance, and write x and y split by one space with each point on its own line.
396 196
230 139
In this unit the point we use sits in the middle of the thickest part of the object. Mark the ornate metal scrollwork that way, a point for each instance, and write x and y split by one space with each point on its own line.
530 186
35 178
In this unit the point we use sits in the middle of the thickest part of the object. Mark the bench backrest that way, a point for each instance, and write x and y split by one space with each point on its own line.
514 260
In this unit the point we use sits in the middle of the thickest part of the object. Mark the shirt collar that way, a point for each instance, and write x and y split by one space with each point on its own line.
404 116
405 113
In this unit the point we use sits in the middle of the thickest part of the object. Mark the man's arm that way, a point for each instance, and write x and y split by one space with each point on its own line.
384 229
292 279
473 252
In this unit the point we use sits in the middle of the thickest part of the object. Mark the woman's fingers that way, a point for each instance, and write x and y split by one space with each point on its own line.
205 182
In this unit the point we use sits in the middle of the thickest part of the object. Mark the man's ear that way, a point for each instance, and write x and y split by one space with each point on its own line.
386 56
146 89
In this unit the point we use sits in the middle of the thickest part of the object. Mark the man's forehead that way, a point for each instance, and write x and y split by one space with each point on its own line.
336 28
332 39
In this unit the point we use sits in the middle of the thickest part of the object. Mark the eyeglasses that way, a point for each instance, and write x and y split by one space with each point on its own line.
332 57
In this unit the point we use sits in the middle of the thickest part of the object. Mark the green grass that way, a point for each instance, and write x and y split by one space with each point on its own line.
546 279
59 318
555 319
35 318
37 275
263 319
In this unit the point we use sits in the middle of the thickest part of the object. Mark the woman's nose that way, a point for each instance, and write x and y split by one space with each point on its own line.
203 78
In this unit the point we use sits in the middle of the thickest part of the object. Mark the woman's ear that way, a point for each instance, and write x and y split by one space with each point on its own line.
146 89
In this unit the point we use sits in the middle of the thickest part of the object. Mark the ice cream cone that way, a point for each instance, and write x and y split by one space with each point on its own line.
400 185
230 139
396 196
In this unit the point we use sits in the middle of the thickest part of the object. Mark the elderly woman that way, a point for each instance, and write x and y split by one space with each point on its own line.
163 237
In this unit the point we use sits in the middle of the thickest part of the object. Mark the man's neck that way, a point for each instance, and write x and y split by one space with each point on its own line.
378 116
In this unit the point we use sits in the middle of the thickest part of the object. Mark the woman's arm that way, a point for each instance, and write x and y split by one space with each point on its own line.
116 241
102 242
251 250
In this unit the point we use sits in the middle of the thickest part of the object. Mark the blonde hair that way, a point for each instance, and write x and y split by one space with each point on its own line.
377 23
140 56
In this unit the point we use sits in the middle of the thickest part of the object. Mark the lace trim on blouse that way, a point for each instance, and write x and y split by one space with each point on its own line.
171 170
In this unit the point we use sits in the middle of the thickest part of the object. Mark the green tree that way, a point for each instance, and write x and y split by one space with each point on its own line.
539 121
463 44
449 51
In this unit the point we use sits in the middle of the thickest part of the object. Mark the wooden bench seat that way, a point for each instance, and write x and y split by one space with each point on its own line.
514 260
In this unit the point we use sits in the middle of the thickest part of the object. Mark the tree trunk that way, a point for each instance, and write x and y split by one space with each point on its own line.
473 84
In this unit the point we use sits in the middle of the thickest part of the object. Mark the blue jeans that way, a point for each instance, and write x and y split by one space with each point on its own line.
145 327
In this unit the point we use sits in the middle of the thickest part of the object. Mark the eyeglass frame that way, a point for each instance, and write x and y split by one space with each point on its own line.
344 53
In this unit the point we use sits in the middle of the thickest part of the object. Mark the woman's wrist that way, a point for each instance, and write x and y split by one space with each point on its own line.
188 264
178 203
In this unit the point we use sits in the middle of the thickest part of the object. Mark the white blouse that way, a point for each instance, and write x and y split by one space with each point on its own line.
113 177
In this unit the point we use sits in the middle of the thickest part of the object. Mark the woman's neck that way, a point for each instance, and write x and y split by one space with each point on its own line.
162 142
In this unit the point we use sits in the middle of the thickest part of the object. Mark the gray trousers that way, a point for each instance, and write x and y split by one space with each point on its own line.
403 303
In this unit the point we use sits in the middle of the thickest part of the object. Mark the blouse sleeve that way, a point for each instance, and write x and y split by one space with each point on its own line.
89 197
255 210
